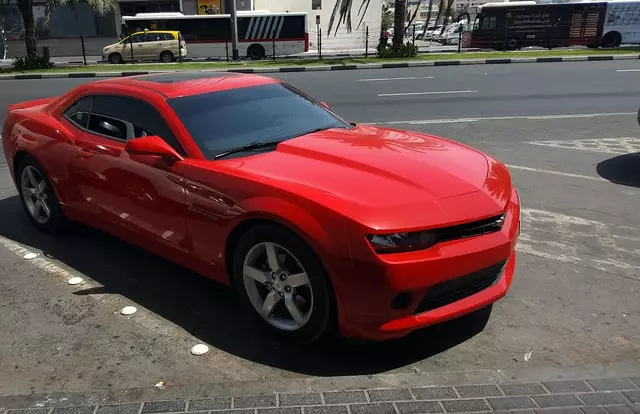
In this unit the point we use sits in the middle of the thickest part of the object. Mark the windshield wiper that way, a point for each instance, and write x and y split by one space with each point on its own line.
248 147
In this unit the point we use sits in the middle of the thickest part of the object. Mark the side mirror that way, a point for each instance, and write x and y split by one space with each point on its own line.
326 105
152 145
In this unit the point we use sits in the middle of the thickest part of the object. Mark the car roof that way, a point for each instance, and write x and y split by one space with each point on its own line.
179 84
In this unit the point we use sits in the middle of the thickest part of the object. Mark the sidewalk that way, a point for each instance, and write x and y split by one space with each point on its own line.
445 392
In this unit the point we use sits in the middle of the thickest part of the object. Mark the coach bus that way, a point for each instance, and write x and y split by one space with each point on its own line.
512 25
622 23
209 36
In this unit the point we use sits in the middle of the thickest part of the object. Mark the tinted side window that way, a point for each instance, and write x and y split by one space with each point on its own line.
108 126
144 118
137 38
78 112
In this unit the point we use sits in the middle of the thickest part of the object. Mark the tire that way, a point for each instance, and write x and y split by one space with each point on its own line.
166 57
256 52
312 296
27 171
611 39
115 58
512 44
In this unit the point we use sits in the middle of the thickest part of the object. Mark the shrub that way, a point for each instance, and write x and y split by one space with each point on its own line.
32 63
407 50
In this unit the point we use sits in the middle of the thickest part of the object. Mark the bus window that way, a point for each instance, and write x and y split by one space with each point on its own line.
488 23
477 23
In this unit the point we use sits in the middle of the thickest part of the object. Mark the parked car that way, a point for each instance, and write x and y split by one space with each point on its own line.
315 221
149 45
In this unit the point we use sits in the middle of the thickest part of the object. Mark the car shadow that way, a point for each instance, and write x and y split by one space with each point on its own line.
210 311
623 169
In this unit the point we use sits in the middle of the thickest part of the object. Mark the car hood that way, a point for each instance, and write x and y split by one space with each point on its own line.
386 178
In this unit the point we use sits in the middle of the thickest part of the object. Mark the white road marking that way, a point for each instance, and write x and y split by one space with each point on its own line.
500 118
622 145
628 70
551 172
176 336
392 79
580 241
425 93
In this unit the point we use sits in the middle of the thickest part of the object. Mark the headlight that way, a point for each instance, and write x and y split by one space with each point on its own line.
401 242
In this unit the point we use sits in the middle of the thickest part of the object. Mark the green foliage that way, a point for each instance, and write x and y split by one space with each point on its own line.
32 63
407 50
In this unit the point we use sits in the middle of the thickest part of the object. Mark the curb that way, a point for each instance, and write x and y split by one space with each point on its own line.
612 378
289 69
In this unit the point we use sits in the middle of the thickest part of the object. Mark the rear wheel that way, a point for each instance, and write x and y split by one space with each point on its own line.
283 285
38 197
166 57
512 44
256 52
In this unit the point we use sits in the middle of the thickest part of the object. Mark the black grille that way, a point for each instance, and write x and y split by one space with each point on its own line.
459 288
476 228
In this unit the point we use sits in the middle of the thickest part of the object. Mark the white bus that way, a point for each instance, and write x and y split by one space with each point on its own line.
622 23
209 36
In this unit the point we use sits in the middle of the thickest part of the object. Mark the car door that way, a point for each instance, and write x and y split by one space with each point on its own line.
143 196
139 45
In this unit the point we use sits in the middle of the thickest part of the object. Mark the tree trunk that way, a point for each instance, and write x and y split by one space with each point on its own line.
26 8
398 23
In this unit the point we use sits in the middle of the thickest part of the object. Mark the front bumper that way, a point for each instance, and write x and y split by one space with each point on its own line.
436 285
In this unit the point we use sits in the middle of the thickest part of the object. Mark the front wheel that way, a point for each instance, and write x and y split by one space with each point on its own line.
38 197
283 284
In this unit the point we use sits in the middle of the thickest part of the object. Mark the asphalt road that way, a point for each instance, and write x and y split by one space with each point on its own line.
568 133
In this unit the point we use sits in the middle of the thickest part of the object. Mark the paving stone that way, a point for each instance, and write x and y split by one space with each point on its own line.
470 391
563 410
560 400
434 393
345 397
567 386
511 403
120 409
280 410
164 406
327 409
299 399
422 407
602 398
380 408
593 410
523 389
31 411
395 394
254 401
611 384
74 410
463 406
618 409
633 396
206 404
245 411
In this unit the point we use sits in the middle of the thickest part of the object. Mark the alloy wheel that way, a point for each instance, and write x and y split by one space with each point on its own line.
35 194
277 286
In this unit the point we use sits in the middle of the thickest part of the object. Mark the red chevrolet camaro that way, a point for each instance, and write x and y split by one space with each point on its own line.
316 222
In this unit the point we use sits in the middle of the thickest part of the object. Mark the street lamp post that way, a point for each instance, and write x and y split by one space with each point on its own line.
234 31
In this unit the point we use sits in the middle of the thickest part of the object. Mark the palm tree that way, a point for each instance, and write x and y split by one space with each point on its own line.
341 14
26 9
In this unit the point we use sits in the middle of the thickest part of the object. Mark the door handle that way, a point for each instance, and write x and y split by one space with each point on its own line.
85 153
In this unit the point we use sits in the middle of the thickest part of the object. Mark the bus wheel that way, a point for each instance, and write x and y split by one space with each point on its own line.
115 58
611 39
256 52
512 44
166 57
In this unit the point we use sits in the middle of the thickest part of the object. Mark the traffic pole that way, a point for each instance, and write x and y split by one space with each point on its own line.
234 31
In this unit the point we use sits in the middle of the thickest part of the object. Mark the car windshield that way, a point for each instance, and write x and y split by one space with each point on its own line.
220 121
